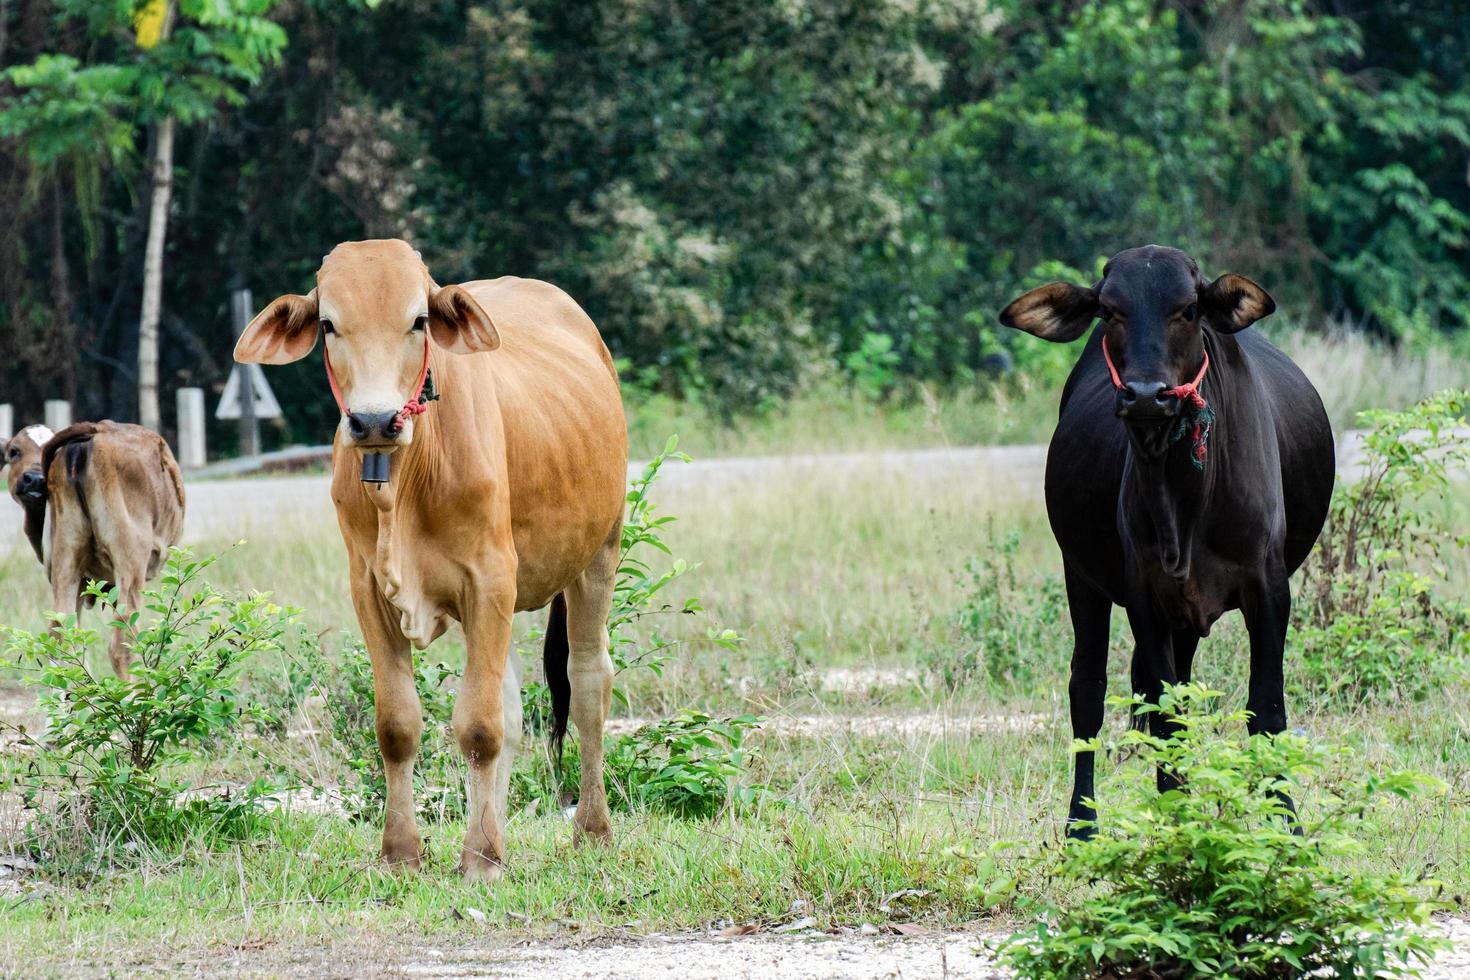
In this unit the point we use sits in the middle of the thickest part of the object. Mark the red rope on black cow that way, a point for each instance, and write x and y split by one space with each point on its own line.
1199 416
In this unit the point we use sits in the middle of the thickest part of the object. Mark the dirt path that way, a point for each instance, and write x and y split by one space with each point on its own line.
963 953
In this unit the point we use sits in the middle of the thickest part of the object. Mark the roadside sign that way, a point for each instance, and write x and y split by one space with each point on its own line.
263 399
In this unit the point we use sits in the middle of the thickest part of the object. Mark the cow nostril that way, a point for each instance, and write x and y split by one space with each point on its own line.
357 427
394 426
1128 394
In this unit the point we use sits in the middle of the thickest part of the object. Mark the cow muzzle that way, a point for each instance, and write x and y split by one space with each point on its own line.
1146 401
375 429
31 485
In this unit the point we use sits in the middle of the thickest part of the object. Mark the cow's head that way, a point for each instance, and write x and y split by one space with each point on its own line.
374 301
1153 306
23 465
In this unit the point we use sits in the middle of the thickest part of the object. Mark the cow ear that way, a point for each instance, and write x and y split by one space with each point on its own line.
1059 312
459 323
283 332
1233 303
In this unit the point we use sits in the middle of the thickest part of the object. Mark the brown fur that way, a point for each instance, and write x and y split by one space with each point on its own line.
507 493
116 502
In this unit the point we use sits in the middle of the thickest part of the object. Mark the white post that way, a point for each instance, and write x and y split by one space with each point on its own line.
7 423
58 414
191 427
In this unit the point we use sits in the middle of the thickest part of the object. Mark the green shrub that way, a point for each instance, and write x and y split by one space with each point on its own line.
1371 620
1011 633
110 772
1212 880
690 765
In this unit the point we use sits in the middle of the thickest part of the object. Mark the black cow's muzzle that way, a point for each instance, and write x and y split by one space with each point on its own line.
31 485
1146 401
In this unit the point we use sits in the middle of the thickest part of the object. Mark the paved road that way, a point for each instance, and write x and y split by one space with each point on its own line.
253 507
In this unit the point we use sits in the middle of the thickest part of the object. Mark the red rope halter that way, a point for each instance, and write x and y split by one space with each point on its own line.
1189 391
1203 416
415 404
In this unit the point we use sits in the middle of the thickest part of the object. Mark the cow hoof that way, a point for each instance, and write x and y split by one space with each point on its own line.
478 871
402 852
597 832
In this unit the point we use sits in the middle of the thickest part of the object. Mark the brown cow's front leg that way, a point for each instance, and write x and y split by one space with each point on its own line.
590 671
479 723
399 719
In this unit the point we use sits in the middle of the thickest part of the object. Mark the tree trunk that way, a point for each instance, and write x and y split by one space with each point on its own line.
162 170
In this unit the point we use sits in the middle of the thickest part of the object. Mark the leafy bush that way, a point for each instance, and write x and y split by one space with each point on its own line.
1371 621
109 774
690 765
1009 630
1212 880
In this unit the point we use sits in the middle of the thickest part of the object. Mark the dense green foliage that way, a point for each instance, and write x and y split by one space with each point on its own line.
112 771
1218 878
740 193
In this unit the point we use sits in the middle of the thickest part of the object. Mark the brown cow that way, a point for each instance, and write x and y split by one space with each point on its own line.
504 495
113 499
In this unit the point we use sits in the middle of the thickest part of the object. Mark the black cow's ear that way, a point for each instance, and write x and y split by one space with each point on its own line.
1233 303
1059 312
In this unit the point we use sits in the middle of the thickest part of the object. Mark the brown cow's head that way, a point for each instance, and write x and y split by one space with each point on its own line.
1153 305
374 301
23 465
22 462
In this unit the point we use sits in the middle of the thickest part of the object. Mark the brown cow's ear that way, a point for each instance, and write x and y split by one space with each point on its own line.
1233 303
1059 312
283 332
459 323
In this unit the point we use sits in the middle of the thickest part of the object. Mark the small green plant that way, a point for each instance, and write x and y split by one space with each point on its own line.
1218 877
1008 632
1371 620
110 772
636 595
690 765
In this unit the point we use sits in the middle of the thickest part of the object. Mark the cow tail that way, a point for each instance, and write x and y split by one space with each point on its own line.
555 653
1140 682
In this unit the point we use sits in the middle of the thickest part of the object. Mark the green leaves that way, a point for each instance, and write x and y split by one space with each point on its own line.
112 754
1217 878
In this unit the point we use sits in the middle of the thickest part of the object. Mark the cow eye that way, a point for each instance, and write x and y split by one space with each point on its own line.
1191 311
420 323
327 327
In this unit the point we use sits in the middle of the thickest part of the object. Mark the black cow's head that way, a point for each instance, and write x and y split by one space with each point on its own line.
1153 305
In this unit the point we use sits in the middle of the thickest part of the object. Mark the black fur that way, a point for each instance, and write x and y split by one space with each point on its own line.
555 654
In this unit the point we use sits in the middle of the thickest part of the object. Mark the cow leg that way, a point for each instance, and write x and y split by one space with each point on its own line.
1267 610
590 670
511 711
1087 690
1186 642
1153 668
479 721
129 601
398 716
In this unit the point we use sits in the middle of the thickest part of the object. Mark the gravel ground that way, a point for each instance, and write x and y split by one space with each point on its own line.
958 953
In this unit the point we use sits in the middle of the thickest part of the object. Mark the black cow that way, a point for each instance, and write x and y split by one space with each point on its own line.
1190 474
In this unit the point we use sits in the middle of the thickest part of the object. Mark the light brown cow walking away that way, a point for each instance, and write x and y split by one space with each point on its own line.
103 500
505 494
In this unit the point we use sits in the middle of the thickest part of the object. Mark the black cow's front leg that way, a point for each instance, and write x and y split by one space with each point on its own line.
1267 610
1153 667
1087 690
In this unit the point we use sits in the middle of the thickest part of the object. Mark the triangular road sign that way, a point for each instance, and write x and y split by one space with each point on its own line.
266 406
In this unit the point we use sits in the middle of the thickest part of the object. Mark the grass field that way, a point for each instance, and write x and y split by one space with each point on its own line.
898 742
